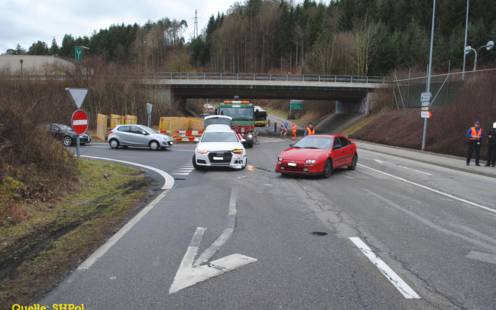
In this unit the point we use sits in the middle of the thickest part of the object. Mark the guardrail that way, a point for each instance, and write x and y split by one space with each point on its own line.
227 77
263 77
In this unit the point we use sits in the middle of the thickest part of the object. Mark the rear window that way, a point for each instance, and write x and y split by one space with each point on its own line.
124 128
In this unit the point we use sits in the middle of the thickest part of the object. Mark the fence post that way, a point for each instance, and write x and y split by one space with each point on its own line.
270 77
335 78
319 78
303 78
237 76
204 76
367 79
171 75
351 79
221 76
383 79
187 76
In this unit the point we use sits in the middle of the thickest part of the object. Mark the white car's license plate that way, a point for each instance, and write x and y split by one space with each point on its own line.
292 164
218 158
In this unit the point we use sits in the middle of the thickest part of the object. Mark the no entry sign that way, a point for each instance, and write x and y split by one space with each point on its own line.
79 122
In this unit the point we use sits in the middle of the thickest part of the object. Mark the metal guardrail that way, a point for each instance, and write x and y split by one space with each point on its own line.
229 77
263 77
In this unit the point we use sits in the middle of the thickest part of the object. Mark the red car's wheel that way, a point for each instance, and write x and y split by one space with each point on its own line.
353 163
328 168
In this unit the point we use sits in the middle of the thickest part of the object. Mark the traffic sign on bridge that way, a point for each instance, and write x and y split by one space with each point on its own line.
79 122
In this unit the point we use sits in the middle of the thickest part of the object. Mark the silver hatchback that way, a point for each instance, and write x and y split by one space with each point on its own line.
138 136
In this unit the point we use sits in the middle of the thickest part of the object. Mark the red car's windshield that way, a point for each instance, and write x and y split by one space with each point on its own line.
314 143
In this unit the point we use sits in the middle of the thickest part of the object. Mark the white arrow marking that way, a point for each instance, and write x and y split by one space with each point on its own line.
382 162
191 272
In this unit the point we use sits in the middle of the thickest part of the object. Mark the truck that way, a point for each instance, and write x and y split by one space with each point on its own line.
260 117
243 121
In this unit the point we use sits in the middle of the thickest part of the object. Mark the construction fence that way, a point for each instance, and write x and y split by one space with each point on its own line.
179 128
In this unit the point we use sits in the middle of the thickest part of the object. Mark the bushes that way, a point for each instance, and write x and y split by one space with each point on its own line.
33 166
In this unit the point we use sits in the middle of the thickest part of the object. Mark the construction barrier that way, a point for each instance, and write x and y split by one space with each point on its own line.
101 126
184 132
131 119
116 119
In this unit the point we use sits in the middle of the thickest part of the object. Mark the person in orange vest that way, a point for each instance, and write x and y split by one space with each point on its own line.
294 131
475 135
310 130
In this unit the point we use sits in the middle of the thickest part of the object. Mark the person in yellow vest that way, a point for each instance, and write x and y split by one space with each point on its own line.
310 130
475 135
294 131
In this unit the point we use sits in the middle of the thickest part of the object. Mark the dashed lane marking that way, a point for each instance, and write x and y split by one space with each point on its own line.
400 285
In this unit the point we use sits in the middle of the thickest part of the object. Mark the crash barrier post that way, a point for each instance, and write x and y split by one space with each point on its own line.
268 123
275 127
285 131
130 120
101 126
282 128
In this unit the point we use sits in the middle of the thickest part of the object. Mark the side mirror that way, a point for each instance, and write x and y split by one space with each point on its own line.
243 141
145 133
291 144
196 140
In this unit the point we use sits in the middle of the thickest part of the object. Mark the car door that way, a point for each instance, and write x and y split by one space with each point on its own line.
138 136
348 149
124 134
338 153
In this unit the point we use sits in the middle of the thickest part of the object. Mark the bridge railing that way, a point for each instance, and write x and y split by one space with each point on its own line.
263 77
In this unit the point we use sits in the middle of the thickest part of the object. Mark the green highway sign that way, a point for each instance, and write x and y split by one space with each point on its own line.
78 54
296 104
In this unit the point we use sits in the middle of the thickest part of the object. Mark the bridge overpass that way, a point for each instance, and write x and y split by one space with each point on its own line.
352 91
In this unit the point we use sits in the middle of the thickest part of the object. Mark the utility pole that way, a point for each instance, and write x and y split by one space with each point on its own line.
464 48
430 68
195 29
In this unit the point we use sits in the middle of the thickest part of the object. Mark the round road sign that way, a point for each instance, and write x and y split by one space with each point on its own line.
79 122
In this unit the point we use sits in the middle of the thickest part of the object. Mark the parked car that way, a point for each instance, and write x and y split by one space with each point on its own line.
65 134
138 136
318 155
219 146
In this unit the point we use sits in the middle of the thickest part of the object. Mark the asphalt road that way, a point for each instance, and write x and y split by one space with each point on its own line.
433 227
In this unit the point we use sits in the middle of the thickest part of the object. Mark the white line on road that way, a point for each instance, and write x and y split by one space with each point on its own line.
383 162
433 190
169 180
400 285
104 248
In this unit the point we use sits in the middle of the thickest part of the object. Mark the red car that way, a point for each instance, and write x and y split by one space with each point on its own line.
318 155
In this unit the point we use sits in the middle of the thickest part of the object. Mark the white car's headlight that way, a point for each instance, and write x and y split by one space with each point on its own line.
202 151
238 151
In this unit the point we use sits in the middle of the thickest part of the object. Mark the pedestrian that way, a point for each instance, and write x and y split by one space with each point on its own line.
310 130
491 146
475 135
294 131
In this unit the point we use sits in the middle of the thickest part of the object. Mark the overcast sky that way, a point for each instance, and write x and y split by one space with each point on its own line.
27 21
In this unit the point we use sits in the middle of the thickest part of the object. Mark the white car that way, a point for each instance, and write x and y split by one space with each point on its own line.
219 146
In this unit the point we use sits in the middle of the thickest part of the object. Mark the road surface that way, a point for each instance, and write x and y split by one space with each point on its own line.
394 234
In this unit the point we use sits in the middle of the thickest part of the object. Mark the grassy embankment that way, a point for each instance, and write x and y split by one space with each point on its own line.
446 129
53 237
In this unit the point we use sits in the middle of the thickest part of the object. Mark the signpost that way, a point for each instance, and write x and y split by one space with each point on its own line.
78 54
79 120
79 124
425 114
149 107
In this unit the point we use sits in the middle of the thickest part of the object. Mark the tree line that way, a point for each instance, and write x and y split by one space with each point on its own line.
359 37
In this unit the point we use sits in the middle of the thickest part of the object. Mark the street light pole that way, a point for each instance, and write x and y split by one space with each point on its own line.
466 33
430 69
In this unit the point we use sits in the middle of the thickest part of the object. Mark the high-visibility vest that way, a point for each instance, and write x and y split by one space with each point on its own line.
310 131
294 128
475 135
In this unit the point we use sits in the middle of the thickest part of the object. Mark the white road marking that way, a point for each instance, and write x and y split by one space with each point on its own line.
433 190
105 247
400 285
483 257
191 272
186 169
169 180
383 162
